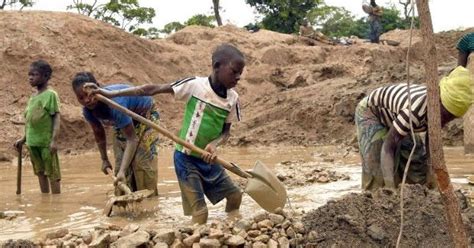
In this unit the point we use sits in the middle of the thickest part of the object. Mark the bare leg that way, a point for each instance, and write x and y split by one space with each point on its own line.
200 217
55 186
43 182
233 201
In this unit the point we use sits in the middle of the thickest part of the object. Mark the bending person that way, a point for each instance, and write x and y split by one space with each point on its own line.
134 144
383 128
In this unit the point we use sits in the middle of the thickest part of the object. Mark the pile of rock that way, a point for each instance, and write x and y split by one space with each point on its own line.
281 229
298 173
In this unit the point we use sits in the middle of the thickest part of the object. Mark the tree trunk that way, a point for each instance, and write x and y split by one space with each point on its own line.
216 12
4 2
455 224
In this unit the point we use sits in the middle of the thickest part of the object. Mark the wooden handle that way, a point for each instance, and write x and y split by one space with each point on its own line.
18 174
229 166
121 185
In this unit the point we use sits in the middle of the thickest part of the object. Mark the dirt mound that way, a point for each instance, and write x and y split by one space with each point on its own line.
373 220
291 93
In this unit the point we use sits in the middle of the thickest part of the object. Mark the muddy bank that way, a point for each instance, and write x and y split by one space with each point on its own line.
373 220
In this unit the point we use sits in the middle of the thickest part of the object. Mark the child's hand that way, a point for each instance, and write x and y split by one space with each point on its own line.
53 147
19 144
211 155
120 177
106 164
92 89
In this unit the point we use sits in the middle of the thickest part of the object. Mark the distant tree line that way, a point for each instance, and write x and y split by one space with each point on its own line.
277 15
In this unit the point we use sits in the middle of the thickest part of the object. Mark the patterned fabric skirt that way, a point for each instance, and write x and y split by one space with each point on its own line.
142 172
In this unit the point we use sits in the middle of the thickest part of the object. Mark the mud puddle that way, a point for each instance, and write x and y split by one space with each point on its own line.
85 189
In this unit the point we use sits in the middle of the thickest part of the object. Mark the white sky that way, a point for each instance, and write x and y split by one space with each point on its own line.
445 14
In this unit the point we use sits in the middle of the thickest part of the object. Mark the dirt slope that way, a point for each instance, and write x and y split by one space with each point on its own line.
291 93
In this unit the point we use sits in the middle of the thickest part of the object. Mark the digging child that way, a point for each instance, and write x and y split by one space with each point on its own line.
383 128
134 144
211 106
42 128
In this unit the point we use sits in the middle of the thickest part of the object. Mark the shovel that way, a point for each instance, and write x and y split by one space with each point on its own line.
129 197
262 185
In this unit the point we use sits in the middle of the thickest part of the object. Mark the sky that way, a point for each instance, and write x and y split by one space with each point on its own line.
446 15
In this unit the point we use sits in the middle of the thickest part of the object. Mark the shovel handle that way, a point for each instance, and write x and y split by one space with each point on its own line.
18 173
229 166
122 186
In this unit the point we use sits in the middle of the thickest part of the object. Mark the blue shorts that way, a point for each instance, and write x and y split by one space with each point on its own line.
197 178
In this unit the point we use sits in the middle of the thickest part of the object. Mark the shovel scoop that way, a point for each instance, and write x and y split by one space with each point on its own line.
262 185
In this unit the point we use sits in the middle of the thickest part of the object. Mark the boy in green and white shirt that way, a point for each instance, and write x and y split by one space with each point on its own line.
211 106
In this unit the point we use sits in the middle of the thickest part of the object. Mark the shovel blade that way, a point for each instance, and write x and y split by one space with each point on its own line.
265 188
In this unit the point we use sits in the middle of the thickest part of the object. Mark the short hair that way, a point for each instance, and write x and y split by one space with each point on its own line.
224 53
43 68
83 77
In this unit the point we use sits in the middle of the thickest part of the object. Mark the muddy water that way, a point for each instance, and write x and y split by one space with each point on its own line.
85 190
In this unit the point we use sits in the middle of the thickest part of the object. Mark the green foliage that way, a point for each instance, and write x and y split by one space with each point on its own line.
201 20
283 15
150 33
391 19
16 3
338 22
127 14
172 27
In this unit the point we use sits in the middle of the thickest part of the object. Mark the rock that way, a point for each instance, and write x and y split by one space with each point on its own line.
242 225
376 232
87 238
57 234
323 179
215 234
203 230
290 232
189 241
260 216
129 229
259 245
101 241
265 224
313 236
209 243
133 240
272 244
235 240
196 245
299 227
187 230
286 224
254 233
262 238
177 244
161 245
328 160
165 235
276 218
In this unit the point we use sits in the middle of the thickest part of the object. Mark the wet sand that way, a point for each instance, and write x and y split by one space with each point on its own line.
85 189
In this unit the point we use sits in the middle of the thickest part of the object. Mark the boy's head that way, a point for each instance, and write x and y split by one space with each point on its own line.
39 73
77 82
227 65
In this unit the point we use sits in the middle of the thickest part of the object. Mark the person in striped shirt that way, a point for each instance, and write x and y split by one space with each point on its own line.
211 106
383 128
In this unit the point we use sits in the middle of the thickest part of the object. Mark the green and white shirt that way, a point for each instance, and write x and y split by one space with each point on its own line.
205 113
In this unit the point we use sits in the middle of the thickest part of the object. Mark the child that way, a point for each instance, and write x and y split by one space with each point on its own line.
42 128
134 143
211 106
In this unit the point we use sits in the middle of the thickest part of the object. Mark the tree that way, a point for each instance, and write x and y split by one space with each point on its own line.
215 4
172 27
127 14
283 15
14 3
200 20
337 21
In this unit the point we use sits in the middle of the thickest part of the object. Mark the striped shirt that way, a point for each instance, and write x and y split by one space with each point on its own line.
390 105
